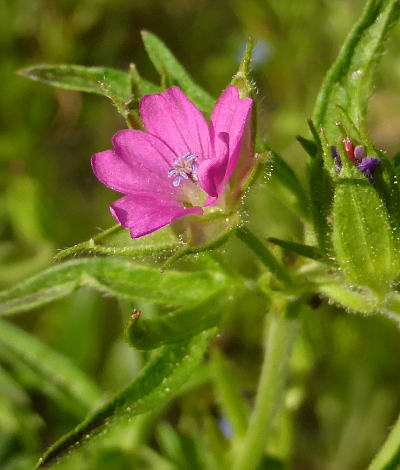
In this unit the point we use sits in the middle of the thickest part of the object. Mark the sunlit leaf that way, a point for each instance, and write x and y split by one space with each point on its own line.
111 276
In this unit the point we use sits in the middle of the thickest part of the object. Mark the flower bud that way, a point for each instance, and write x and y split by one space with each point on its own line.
362 236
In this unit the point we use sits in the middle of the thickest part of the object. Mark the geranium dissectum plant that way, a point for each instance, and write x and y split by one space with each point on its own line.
180 166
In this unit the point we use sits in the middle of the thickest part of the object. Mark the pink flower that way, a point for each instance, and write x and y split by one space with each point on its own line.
180 166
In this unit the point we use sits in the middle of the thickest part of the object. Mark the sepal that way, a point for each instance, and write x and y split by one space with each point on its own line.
362 236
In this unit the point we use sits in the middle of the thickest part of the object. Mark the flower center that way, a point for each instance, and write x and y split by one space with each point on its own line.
183 168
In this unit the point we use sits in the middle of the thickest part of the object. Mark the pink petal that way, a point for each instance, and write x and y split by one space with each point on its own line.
211 172
139 162
144 213
230 115
173 118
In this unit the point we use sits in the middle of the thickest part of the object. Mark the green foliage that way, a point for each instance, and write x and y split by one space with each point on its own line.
158 382
320 188
80 78
47 371
165 63
298 248
349 82
336 248
110 276
177 325
362 301
116 241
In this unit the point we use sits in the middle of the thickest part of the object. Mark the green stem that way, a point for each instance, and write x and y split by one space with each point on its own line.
388 457
270 393
265 256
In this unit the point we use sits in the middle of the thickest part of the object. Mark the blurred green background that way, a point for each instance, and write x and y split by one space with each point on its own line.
343 394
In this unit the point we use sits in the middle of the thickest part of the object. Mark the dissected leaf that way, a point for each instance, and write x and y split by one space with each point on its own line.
52 373
350 79
111 276
165 62
161 378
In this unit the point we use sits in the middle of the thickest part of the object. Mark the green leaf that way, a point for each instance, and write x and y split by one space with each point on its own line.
308 145
349 81
140 86
158 382
98 80
165 62
303 250
177 325
49 372
25 205
110 276
116 241
362 236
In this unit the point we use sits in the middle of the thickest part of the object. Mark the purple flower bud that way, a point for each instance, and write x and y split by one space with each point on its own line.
359 153
368 165
337 159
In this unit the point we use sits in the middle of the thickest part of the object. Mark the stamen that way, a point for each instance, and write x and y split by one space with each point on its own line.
183 168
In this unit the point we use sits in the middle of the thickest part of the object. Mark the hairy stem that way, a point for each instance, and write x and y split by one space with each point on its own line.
281 334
